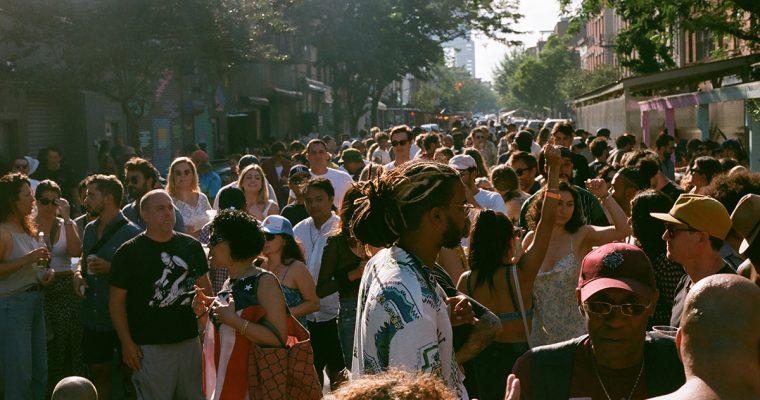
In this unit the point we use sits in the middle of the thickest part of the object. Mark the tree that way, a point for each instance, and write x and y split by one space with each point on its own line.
126 49
367 44
503 74
580 81
533 82
645 44
453 89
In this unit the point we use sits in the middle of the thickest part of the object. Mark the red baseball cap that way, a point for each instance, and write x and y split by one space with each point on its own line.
616 265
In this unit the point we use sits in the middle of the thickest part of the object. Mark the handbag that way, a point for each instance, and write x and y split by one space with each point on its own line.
285 372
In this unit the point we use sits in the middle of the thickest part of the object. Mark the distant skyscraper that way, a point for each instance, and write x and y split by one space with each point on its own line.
460 52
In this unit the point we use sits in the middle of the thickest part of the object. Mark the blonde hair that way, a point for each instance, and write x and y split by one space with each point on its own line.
263 196
395 385
171 188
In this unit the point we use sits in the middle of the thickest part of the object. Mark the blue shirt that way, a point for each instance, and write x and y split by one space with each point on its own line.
130 211
210 183
94 313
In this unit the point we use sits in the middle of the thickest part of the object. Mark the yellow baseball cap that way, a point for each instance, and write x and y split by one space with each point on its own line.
700 212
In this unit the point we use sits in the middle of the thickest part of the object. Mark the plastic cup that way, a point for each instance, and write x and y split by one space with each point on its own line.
664 330
90 258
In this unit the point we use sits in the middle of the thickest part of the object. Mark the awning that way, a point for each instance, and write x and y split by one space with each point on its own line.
316 86
252 101
288 93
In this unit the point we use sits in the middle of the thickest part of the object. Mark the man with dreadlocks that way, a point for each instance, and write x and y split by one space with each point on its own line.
404 319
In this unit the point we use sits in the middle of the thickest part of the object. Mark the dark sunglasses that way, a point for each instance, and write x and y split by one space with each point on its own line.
603 308
672 229
47 202
399 143
20 167
133 179
521 171
269 236
215 240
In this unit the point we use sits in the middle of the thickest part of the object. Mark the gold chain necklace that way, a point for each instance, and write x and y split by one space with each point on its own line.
599 378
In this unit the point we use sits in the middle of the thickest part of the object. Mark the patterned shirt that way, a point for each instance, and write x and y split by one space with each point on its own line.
403 321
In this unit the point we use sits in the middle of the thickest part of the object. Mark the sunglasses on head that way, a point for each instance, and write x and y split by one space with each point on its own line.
47 202
215 240
399 143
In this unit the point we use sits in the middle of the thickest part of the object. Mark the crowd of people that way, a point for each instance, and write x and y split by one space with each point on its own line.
473 263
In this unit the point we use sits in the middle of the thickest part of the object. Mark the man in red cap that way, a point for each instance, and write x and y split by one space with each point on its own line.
616 294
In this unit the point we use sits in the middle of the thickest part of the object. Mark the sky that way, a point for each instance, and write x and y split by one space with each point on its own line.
538 15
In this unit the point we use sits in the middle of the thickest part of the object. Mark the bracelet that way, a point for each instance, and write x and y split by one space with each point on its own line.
245 326
552 195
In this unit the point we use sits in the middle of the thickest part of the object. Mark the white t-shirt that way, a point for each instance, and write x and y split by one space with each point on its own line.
340 180
535 149
383 155
314 241
491 201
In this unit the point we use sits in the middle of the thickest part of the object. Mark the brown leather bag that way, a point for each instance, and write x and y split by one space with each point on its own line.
286 372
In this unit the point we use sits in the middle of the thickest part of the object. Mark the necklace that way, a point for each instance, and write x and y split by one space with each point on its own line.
599 378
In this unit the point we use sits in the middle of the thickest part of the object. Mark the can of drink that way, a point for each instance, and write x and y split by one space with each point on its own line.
90 258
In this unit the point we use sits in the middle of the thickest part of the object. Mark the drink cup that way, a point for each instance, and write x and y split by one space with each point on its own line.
90 259
664 330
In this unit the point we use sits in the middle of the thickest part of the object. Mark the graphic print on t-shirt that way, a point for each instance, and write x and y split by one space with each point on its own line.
172 287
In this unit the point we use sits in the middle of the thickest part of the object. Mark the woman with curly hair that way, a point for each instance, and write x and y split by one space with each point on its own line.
23 346
230 319
556 314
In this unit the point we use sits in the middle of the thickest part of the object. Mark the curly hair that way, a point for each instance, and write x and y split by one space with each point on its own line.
10 192
396 385
729 189
396 201
577 220
486 254
241 231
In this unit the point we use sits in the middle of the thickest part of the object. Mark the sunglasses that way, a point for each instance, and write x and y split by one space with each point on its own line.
269 236
399 143
521 171
603 308
47 202
672 229
20 167
133 179
215 240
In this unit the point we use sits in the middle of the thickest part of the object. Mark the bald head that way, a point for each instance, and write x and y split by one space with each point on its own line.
720 320
149 198
74 388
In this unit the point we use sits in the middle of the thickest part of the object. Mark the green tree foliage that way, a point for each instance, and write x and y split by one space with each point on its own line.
544 84
453 89
645 44
367 44
122 49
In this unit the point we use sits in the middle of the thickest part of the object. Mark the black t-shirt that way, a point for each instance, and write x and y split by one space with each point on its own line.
683 289
159 279
294 213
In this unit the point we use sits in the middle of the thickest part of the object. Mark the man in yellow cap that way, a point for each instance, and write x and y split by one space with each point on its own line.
695 228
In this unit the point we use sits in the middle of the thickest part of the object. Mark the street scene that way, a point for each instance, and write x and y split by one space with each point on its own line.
379 199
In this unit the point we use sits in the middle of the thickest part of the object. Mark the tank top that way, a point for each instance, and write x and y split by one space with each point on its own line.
59 256
25 277
556 310
293 296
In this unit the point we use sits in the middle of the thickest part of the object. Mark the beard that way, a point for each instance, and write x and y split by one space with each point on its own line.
452 237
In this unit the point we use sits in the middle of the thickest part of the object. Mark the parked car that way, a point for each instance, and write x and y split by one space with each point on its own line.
549 123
